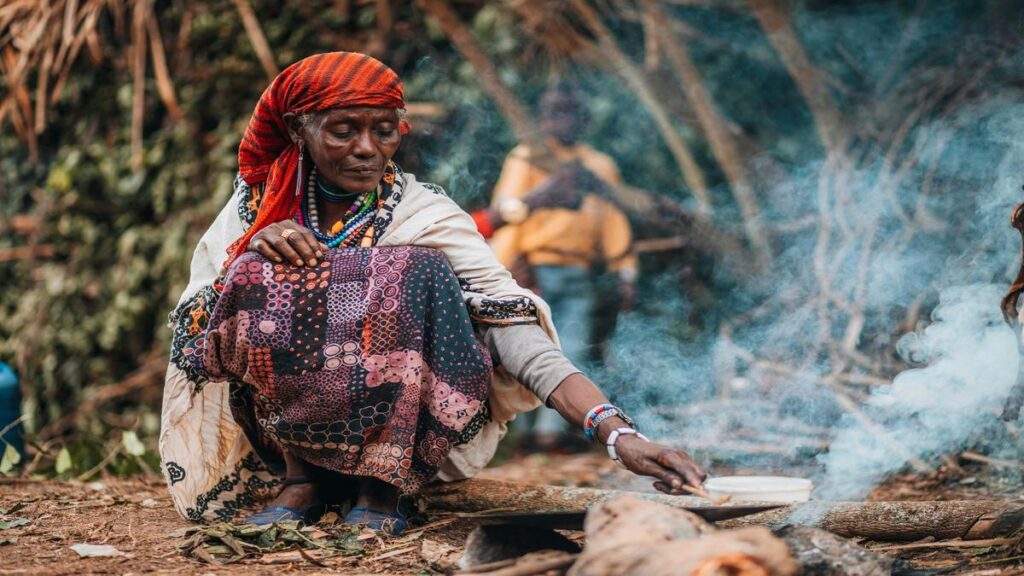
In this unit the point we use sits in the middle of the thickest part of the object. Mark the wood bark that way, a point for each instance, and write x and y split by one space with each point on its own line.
822 553
885 521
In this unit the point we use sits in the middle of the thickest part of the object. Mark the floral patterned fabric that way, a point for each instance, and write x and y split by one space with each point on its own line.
364 365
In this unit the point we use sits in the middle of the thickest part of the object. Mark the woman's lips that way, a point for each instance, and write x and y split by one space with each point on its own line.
362 172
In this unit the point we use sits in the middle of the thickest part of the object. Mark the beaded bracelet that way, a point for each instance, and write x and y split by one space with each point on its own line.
590 423
599 414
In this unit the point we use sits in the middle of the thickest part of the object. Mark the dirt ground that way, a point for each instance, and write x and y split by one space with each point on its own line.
136 517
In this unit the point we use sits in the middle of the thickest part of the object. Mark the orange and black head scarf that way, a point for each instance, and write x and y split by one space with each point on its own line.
268 156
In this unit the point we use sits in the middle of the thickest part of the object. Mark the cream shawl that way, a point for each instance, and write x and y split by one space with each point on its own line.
211 469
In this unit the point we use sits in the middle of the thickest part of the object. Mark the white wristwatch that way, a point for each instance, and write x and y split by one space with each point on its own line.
614 436
513 210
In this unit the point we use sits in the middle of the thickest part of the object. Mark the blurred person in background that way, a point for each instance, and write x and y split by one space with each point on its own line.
558 233
346 335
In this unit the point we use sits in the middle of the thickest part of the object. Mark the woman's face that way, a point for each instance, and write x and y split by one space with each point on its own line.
353 145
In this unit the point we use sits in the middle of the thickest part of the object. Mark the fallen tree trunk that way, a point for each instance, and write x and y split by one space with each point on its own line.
886 521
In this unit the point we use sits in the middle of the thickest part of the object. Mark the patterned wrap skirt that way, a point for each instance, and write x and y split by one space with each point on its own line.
366 364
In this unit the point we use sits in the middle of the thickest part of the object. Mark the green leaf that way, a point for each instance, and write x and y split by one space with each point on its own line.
267 539
14 523
10 459
63 461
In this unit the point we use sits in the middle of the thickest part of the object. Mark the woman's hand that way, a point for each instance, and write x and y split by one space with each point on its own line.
288 241
673 468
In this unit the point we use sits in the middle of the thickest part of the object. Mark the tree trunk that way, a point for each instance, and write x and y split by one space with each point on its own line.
888 521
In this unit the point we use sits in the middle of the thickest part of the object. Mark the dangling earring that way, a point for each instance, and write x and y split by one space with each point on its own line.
298 172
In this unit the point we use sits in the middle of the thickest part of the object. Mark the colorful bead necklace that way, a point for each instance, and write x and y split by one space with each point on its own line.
353 225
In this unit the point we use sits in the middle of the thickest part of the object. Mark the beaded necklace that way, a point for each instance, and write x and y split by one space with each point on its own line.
353 225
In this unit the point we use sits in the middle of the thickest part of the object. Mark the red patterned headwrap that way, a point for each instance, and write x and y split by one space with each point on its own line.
267 154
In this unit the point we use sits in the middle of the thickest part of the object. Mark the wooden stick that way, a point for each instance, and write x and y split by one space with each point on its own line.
950 544
144 376
511 108
164 84
721 141
256 37
488 567
530 567
138 51
619 63
808 78
975 457
697 491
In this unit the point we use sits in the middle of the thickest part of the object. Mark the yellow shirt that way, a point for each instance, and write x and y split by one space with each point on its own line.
595 232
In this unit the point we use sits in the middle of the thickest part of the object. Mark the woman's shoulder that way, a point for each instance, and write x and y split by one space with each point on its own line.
413 185
418 195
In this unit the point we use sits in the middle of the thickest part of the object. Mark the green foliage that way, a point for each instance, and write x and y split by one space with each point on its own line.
227 543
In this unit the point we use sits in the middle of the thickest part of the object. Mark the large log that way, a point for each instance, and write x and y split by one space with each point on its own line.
885 521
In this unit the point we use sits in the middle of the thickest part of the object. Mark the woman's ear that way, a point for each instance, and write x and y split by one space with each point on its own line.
294 126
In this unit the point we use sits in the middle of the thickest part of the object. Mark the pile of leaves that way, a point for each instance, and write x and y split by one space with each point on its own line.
228 543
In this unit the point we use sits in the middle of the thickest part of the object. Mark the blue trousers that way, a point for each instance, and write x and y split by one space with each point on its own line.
569 290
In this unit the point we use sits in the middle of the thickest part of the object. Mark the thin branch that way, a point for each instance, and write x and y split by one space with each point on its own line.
456 31
256 38
164 85
623 66
723 146
809 79
138 80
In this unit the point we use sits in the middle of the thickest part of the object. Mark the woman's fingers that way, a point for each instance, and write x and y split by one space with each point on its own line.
662 487
304 244
647 465
288 241
265 248
284 247
318 248
680 464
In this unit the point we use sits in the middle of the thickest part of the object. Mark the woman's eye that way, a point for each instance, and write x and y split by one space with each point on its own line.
386 133
343 133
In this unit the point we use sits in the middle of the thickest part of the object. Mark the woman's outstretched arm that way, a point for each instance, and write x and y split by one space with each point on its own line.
673 468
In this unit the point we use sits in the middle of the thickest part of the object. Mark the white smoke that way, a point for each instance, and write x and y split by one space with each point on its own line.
971 358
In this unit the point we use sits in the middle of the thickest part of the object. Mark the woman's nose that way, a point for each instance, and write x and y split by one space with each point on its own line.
363 146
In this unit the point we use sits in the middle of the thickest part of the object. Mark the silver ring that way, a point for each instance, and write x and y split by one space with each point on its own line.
256 244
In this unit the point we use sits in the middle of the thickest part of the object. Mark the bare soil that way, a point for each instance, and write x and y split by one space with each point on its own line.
137 518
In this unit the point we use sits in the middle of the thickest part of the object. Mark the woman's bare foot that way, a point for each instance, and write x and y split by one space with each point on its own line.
297 496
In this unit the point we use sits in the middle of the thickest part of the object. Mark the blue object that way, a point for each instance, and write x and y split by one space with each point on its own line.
10 408
393 523
308 515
